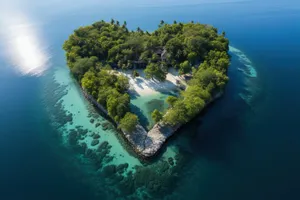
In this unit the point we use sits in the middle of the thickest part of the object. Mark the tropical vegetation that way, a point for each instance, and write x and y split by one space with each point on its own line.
95 53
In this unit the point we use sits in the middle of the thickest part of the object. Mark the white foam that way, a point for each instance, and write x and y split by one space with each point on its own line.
250 70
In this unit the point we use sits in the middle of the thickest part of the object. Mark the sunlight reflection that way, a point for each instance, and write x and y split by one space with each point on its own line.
23 45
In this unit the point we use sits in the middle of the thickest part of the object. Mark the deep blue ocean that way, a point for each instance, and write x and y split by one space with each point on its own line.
245 146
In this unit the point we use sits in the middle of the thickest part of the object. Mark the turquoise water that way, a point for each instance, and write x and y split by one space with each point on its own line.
143 106
245 146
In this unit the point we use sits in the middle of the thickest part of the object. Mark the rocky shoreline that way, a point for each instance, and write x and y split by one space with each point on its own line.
147 144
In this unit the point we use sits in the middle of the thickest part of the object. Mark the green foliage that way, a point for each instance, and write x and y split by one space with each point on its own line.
156 115
129 122
218 60
171 100
185 68
209 79
193 105
154 70
192 57
103 94
112 103
115 45
93 51
122 84
175 49
88 82
109 90
196 91
135 74
183 110
117 104
82 65
177 114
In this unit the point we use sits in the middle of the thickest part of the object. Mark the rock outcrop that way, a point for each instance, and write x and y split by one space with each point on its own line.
156 137
147 144
160 132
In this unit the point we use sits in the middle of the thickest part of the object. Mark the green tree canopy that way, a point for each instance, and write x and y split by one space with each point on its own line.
129 122
93 53
177 115
88 82
115 45
185 68
196 91
193 105
122 83
171 100
82 65
156 115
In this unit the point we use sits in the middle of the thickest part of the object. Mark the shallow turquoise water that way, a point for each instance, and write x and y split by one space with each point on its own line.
143 106
246 146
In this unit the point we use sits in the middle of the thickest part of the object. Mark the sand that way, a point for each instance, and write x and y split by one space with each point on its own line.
142 86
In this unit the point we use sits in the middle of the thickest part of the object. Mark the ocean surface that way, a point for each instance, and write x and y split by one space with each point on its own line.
245 146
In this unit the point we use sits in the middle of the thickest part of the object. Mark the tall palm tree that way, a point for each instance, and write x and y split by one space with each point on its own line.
112 21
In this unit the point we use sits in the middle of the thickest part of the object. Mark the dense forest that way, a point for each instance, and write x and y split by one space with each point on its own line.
192 48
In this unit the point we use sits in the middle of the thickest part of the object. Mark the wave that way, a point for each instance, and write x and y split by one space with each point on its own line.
249 87
250 70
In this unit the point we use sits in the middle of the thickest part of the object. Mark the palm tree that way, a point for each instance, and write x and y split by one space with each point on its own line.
162 22
112 21
124 24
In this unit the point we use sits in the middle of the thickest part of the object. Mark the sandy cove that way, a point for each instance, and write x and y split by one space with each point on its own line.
142 86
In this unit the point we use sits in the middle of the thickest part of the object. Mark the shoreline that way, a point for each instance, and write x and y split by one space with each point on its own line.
160 132
147 144
141 86
155 52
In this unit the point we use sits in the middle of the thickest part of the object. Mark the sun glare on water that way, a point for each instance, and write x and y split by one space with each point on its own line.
23 45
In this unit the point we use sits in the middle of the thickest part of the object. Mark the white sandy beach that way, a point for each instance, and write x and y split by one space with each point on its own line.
143 86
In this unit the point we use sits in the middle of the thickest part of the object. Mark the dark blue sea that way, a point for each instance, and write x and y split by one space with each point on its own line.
245 146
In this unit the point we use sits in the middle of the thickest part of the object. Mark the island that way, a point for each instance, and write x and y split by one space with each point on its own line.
106 58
